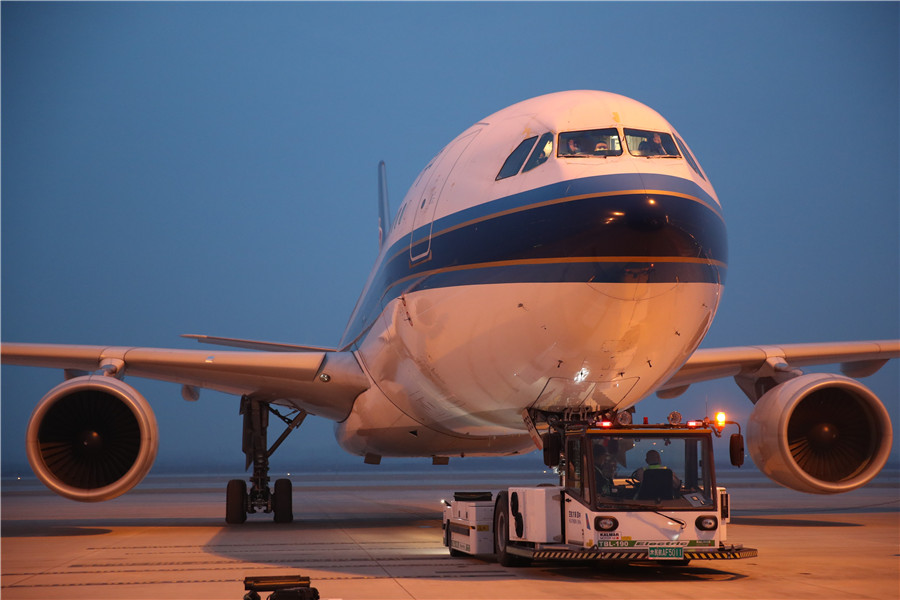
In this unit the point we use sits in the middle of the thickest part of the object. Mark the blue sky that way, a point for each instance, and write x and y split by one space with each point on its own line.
174 168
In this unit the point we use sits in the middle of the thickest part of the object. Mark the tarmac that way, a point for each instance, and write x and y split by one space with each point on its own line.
377 535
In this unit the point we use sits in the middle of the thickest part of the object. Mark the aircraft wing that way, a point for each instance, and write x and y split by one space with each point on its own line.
321 382
857 359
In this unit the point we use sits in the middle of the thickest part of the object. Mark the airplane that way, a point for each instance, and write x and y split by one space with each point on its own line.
563 256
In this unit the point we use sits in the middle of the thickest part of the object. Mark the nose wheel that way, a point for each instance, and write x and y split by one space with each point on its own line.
239 501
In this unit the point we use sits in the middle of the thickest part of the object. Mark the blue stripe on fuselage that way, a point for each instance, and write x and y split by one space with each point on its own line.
601 184
611 229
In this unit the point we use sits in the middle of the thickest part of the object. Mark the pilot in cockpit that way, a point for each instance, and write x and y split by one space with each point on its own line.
574 146
652 147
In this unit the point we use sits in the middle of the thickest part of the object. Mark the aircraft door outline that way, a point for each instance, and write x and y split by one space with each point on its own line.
421 249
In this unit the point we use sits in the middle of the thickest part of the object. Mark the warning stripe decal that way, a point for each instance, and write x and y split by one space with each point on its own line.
639 555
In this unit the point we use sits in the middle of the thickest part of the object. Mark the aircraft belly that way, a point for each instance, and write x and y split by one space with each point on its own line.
376 425
468 359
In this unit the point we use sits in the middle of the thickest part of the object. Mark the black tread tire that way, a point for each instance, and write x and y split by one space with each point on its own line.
283 501
236 502
501 534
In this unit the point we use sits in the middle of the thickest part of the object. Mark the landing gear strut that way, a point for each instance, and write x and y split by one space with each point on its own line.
238 501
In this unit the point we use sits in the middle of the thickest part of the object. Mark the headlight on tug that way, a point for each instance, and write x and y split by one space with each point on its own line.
707 522
606 523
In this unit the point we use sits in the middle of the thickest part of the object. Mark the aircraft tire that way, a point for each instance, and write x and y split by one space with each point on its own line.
236 502
282 501
501 534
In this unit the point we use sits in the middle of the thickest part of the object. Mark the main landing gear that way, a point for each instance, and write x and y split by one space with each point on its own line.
238 501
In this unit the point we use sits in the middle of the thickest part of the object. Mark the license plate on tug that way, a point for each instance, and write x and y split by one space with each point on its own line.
666 552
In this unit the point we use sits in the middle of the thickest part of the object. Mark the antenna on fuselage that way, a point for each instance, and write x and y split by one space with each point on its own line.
384 209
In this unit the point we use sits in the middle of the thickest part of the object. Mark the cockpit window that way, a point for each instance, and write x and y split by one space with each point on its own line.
541 153
589 143
650 143
516 159
690 157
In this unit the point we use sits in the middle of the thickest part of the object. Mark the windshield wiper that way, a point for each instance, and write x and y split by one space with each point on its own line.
679 521
627 506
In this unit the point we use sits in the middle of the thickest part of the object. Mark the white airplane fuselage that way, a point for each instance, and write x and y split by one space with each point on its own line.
558 261
583 280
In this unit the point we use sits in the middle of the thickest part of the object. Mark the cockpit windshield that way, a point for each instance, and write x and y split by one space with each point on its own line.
589 143
650 143
634 472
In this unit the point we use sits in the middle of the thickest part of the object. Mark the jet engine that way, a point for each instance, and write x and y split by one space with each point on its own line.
92 438
820 433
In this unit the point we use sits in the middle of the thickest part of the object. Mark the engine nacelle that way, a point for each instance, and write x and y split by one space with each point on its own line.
820 433
92 438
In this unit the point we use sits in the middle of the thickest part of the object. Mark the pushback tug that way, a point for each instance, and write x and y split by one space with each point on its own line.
664 505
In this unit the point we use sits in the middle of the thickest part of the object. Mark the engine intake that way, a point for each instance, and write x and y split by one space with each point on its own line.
820 433
92 438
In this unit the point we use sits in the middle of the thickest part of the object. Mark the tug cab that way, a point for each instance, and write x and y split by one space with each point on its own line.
628 493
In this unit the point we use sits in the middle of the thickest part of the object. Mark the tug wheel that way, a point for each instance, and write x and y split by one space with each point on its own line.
501 534
447 541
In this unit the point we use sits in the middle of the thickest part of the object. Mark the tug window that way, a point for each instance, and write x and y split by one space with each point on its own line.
621 464
650 143
516 159
574 467
594 142
541 153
